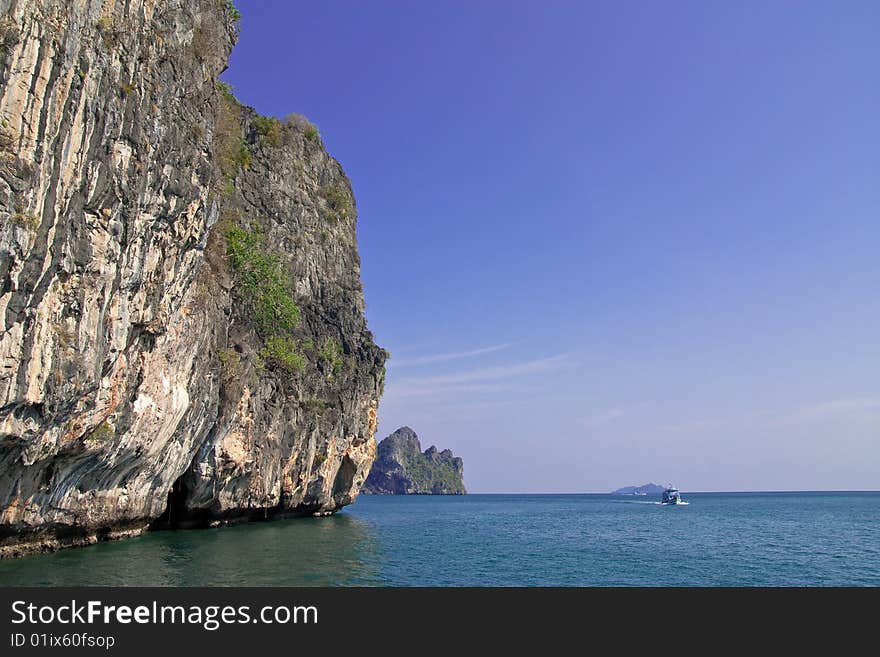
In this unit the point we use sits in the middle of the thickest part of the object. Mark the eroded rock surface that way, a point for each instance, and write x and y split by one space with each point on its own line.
136 381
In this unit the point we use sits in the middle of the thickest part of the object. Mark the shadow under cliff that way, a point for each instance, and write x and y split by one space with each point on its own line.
339 550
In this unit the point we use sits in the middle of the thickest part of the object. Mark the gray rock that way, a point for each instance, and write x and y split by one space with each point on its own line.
135 383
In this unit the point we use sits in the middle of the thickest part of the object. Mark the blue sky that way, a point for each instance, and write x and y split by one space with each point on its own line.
607 243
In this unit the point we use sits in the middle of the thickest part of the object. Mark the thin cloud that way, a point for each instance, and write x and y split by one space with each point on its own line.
440 358
500 373
402 390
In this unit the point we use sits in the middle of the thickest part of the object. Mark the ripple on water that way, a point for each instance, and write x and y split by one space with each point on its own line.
503 540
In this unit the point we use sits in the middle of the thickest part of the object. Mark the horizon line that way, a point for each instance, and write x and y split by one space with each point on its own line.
690 492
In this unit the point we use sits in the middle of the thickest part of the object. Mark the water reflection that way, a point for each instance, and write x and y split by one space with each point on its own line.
339 550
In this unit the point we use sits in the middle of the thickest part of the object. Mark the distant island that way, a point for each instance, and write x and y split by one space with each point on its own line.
401 468
646 489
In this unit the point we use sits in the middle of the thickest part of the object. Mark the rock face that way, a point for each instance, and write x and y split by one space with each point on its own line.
401 468
183 338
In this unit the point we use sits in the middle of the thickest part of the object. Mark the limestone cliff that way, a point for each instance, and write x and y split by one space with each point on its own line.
401 468
183 339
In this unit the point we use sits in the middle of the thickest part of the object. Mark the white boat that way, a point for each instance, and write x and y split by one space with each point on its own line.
671 497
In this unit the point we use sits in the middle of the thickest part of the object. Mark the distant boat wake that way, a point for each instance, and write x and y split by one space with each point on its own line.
649 503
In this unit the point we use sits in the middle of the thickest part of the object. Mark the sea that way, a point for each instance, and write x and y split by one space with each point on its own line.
718 539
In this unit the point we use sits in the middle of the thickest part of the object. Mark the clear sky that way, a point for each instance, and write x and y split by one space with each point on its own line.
607 242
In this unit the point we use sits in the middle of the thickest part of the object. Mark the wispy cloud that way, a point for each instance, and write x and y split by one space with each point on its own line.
440 358
414 388
505 381
500 373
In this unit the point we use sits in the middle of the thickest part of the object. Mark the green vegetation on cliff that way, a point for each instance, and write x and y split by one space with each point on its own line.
331 353
338 204
259 274
264 287
269 129
430 476
284 352
261 282
301 123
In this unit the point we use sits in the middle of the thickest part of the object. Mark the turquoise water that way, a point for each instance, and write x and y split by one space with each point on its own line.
775 539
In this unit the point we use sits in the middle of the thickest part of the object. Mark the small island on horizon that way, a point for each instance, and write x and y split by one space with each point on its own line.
645 489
